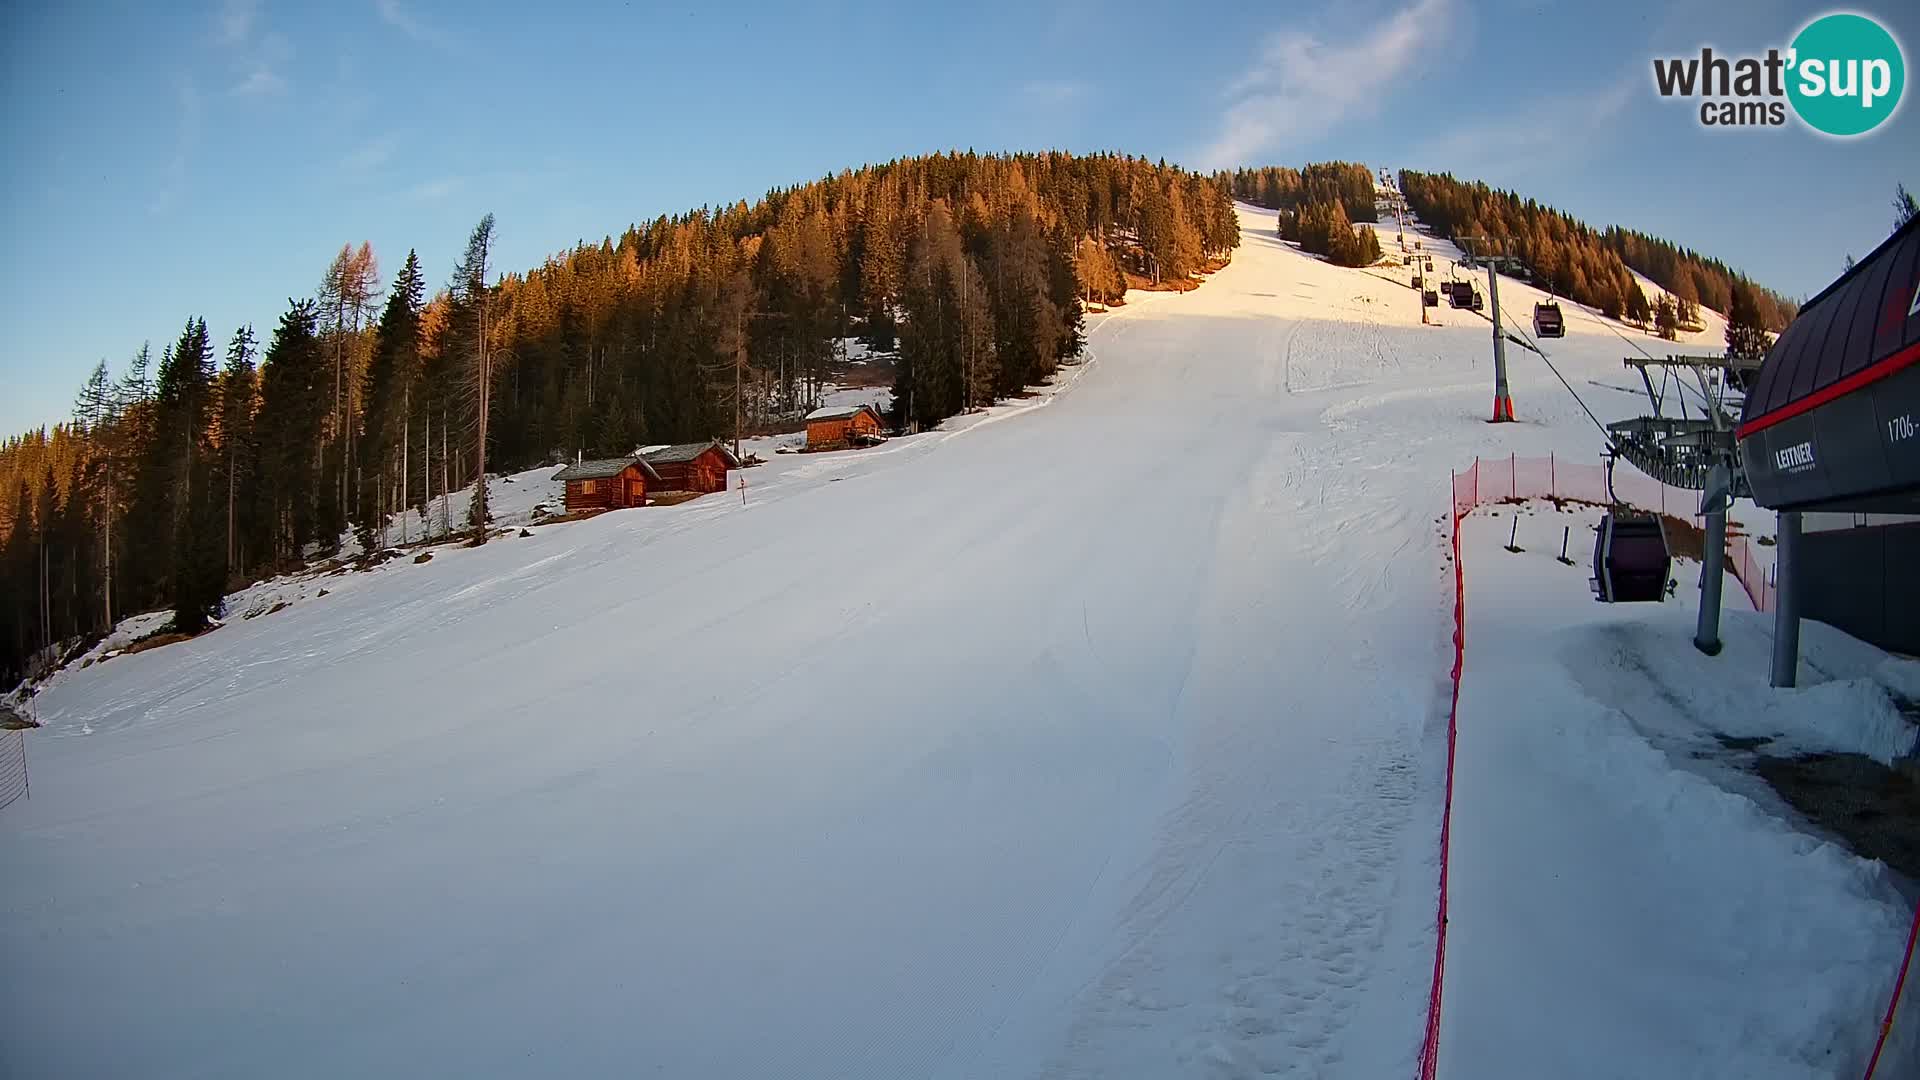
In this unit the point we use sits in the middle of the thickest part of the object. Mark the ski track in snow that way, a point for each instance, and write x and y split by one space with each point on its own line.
1098 737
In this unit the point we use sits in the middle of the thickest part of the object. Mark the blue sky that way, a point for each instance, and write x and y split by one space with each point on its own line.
170 160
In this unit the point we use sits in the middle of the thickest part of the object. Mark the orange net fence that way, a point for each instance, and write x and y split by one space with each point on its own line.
1492 480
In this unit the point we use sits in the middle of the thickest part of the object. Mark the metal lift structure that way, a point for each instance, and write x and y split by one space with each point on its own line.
1496 254
1688 442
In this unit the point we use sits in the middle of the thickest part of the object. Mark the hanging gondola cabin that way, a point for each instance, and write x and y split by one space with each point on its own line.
1459 294
1630 559
1432 298
1547 320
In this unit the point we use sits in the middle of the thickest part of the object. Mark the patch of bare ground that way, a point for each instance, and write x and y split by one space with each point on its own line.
1874 809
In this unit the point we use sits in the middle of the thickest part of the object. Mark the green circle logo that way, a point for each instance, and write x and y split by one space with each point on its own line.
1846 74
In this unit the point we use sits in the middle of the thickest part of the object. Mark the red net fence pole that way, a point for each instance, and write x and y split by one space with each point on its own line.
1893 1002
1465 495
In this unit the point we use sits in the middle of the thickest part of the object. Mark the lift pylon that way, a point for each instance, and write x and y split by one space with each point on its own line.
1497 254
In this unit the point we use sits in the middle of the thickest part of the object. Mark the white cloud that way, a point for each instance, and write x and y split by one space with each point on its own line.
261 81
370 155
173 176
1054 93
236 20
397 16
1301 86
260 58
1532 136
435 190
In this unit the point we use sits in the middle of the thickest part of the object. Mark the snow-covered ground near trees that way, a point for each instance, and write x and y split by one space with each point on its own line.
1098 734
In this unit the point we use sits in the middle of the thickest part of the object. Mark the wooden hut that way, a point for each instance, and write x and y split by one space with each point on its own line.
835 427
608 484
696 467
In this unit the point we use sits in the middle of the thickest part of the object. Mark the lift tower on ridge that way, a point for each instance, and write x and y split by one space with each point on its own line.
1497 254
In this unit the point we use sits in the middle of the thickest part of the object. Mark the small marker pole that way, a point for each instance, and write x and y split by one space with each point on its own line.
743 491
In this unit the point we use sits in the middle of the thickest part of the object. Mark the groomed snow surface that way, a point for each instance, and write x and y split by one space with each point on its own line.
1100 734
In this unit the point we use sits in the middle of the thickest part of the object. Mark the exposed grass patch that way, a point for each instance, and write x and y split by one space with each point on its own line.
1874 809
1684 539
162 638
1166 284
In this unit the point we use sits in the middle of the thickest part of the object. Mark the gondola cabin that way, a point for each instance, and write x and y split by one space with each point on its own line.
1630 559
696 467
838 427
608 483
1460 293
1547 321
1431 298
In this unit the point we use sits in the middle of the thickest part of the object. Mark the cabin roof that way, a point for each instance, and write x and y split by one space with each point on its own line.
601 468
681 453
1865 317
1808 434
841 412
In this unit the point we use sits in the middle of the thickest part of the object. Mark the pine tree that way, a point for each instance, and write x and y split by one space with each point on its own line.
880 268
1665 319
1026 324
19 573
1904 206
346 292
1063 290
1186 251
1154 225
1098 278
238 395
97 411
294 398
1747 337
947 359
471 298
391 374
183 393
1637 309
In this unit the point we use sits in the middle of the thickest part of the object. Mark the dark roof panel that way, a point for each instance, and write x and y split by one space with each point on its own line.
1895 330
681 453
601 468
1829 419
1858 350
841 412
1824 348
1827 343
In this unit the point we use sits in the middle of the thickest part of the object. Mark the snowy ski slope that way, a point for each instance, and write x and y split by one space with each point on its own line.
1102 738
